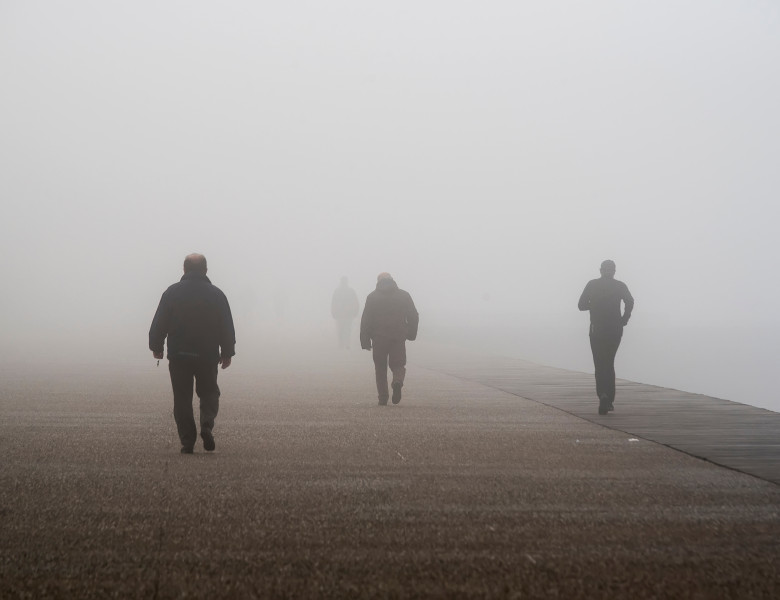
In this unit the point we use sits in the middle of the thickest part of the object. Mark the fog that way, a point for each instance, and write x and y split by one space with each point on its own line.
488 155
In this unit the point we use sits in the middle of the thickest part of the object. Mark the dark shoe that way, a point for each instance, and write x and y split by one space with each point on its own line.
397 392
382 401
186 450
604 404
208 440
611 407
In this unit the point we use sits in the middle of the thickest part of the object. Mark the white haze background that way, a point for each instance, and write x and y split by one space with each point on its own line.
488 154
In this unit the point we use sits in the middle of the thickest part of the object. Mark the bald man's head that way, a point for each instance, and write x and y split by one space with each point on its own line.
195 263
382 276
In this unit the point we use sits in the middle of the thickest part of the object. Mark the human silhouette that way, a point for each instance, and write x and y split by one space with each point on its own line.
602 297
389 319
344 307
195 317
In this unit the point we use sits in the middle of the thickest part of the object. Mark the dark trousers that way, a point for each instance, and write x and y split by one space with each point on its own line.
604 348
204 373
392 352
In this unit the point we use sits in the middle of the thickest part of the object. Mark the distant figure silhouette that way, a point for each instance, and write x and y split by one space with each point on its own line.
196 318
344 307
389 319
602 298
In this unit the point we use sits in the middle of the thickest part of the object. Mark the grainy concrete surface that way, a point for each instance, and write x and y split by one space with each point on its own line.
460 491
738 436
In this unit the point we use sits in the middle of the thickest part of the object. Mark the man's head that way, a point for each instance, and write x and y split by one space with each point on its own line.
608 269
382 276
195 263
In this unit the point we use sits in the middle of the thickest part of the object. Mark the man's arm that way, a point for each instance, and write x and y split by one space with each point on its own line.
365 324
227 338
159 329
584 303
628 300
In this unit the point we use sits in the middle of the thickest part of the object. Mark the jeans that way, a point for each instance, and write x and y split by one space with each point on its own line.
604 348
205 375
392 352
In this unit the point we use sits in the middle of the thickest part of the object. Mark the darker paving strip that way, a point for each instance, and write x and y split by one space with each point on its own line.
729 434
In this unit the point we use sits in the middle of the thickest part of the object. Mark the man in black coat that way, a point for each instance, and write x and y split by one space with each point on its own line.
602 297
195 316
389 319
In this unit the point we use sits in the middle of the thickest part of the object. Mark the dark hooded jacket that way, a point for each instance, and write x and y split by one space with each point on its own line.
389 313
195 316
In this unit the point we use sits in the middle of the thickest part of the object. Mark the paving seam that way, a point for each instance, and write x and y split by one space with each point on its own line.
606 426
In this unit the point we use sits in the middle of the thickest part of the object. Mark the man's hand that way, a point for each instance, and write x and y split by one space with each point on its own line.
225 362
625 320
158 355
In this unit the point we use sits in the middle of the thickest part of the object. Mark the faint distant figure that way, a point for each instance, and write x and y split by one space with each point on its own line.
389 319
602 298
344 307
196 318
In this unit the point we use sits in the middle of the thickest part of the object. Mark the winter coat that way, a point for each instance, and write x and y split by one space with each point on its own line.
389 313
195 316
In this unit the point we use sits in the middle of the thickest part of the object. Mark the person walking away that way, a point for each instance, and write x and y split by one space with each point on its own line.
389 319
344 307
602 297
195 317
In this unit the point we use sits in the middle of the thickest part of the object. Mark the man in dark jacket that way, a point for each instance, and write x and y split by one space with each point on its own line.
602 298
389 319
196 318
344 307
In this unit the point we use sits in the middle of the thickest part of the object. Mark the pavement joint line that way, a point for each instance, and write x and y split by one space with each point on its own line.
606 425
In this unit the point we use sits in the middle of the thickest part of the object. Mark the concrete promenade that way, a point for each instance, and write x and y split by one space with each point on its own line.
463 490
728 433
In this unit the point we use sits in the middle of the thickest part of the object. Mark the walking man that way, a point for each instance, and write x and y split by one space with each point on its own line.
602 298
389 319
344 307
196 318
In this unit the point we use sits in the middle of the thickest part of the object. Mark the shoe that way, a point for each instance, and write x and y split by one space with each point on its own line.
382 401
611 407
208 440
604 404
186 450
397 392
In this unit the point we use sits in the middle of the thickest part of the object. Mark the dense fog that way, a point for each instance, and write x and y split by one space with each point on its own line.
488 155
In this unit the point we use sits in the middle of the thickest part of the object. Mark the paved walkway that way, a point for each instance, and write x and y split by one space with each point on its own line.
734 435
462 490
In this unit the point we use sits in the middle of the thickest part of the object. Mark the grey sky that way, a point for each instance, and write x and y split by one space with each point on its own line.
468 148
